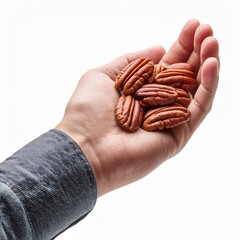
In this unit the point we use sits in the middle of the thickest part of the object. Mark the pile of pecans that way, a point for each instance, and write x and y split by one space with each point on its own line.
154 97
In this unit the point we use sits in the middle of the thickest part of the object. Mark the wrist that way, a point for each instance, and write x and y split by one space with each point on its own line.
89 151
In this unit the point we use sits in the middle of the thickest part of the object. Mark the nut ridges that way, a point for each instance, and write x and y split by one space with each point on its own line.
154 97
129 113
151 95
134 75
178 75
165 117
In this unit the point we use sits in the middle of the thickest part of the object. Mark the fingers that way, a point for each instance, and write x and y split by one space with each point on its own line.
113 68
183 47
202 32
208 80
203 99
187 47
209 48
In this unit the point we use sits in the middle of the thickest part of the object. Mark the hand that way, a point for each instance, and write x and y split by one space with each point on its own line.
117 157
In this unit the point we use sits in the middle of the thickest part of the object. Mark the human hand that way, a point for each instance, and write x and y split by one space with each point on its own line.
117 157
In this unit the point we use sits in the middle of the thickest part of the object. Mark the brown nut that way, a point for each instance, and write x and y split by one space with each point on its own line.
178 78
165 117
151 95
157 69
128 113
134 75
184 97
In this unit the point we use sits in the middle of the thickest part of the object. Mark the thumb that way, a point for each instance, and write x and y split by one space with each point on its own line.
113 68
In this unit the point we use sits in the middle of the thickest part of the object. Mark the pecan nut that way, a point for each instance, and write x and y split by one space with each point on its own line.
157 69
154 97
165 117
184 97
178 77
151 95
129 113
134 75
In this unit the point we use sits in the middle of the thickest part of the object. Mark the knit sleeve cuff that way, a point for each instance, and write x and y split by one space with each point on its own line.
53 181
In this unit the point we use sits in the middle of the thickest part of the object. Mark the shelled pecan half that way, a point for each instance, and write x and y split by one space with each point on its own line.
151 95
184 98
157 69
178 77
154 97
129 113
165 117
134 75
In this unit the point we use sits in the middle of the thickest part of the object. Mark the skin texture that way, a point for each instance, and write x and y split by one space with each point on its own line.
117 157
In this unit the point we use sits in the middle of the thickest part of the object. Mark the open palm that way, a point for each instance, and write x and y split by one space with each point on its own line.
119 157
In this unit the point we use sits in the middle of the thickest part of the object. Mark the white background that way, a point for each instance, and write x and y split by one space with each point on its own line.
45 47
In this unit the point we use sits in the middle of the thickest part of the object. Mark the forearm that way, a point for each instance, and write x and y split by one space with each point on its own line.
48 185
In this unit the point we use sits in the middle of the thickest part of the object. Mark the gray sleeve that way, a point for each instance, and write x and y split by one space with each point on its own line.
45 188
